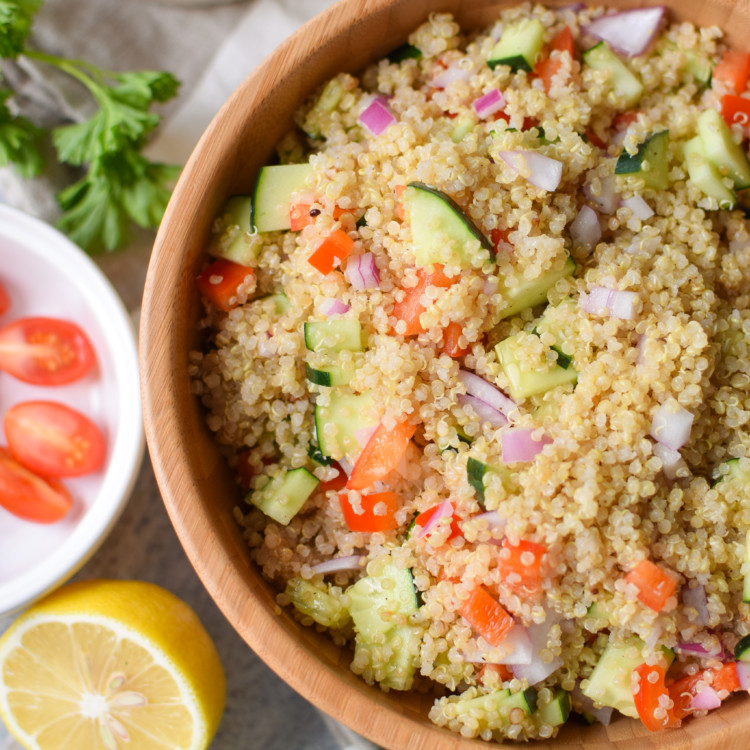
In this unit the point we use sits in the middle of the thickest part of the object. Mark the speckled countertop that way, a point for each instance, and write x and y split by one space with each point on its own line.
262 712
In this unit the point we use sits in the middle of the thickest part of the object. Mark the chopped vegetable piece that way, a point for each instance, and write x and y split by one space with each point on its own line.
630 31
683 691
381 455
423 520
451 335
28 496
411 306
54 439
655 586
331 252
486 616
736 111
219 283
564 41
378 512
377 117
732 70
303 214
519 45
336 484
650 162
45 351
4 300
273 194
546 69
521 566
648 695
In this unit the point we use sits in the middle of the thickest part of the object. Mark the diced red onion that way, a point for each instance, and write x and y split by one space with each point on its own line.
338 564
618 304
361 272
517 444
376 117
334 307
695 597
671 426
444 510
583 704
638 207
489 103
585 229
671 460
630 31
538 169
452 73
698 649
743 674
493 518
707 699
607 200
483 390
538 669
483 410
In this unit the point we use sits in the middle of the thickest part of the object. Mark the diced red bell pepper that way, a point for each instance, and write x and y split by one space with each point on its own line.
683 690
732 70
411 307
654 584
424 518
451 335
648 696
381 455
219 282
736 111
522 566
487 616
378 512
331 252
300 215
564 42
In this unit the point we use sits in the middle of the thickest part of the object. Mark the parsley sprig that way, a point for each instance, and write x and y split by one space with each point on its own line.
119 186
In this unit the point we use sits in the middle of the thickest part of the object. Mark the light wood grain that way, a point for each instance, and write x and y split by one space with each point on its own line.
198 489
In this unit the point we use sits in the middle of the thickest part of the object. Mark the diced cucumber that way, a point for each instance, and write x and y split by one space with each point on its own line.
699 66
315 600
476 472
624 82
653 152
314 453
527 293
273 193
493 709
519 45
337 423
742 649
280 302
378 603
464 125
441 231
600 610
720 148
405 52
329 376
328 100
234 241
334 335
610 682
704 174
283 497
556 712
527 382
553 322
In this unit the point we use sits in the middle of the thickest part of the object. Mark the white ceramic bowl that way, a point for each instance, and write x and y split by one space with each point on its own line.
47 275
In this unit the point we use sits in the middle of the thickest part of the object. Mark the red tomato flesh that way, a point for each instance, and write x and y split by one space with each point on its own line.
45 351
28 496
54 439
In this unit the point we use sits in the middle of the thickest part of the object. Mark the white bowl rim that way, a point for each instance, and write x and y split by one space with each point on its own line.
129 444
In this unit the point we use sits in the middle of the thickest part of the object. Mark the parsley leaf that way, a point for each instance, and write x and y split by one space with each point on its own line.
15 24
19 141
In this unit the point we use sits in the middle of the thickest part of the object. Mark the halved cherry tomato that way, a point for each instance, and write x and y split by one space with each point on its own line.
28 496
219 282
646 697
4 300
45 351
54 439
378 512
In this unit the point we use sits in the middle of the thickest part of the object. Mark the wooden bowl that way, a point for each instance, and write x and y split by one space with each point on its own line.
197 486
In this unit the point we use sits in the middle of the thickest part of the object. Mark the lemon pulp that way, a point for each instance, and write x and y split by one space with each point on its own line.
111 665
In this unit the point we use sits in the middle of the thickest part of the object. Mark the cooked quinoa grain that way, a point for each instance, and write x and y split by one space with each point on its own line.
485 377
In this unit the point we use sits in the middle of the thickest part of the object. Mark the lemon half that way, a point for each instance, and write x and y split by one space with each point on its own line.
110 665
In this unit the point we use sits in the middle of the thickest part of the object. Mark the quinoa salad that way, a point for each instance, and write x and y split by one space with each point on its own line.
477 346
